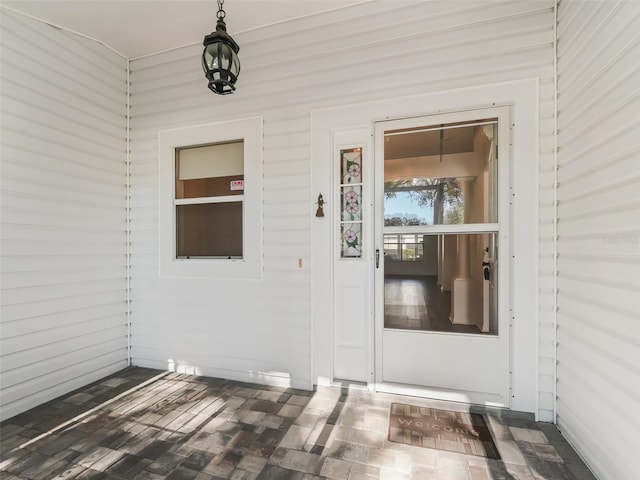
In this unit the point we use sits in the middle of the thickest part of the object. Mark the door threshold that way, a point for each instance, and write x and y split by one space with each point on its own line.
486 400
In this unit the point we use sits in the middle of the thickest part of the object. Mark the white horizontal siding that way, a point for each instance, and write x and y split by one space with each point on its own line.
377 50
63 213
599 233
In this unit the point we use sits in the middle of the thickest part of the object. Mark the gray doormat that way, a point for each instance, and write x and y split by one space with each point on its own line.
459 432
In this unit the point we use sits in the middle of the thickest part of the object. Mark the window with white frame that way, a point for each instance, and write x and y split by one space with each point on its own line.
404 247
210 200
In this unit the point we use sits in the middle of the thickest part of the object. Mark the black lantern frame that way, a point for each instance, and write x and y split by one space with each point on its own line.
220 57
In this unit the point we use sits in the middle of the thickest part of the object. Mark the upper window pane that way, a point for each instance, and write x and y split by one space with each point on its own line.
210 170
351 165
441 174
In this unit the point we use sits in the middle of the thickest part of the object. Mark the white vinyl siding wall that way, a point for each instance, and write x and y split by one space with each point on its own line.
261 330
599 233
63 199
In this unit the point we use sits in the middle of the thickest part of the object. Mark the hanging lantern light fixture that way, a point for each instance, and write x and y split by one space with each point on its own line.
220 57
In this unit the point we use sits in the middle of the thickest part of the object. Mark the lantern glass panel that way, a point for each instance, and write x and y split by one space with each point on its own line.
209 57
224 56
235 64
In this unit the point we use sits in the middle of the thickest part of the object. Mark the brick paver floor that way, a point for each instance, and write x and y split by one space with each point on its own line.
143 424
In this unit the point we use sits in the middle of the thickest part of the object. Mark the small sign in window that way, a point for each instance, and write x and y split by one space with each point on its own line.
237 185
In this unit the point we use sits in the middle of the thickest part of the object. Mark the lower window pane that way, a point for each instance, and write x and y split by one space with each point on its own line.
351 234
209 230
442 282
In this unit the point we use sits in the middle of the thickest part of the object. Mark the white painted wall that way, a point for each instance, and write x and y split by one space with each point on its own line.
63 199
599 233
261 330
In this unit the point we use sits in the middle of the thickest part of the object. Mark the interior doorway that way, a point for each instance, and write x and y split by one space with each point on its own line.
441 296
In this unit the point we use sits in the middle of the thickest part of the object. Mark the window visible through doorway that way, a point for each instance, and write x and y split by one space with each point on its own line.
404 248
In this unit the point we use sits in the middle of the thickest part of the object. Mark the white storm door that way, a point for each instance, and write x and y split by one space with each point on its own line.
442 280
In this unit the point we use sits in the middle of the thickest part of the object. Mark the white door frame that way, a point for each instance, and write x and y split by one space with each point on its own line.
484 386
522 96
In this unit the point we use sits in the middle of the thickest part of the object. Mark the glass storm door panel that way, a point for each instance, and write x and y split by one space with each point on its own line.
442 291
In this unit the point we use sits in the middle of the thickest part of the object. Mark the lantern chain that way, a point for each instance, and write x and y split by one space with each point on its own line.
221 13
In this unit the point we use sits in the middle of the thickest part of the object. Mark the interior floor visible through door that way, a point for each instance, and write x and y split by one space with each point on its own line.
418 303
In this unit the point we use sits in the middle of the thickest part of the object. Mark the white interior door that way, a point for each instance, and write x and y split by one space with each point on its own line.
442 292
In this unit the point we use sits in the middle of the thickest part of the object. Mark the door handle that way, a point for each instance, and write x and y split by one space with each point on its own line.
377 257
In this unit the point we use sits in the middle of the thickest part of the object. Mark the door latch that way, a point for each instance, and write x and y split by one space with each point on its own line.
377 257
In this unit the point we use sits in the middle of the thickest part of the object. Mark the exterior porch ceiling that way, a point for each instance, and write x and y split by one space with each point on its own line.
136 28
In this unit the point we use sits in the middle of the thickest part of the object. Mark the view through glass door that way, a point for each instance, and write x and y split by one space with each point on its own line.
442 296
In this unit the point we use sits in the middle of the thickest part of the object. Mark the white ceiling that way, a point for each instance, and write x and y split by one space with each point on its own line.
140 27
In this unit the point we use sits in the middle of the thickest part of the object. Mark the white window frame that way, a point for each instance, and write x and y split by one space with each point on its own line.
250 266
399 241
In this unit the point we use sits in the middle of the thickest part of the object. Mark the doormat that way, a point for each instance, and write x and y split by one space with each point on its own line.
459 432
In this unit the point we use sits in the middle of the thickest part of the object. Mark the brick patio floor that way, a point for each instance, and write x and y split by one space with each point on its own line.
143 424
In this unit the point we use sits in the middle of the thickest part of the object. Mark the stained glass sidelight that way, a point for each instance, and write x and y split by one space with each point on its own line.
351 203
351 163
351 235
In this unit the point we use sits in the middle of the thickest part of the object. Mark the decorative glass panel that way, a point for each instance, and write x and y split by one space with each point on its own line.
351 190
351 234
351 162
351 203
